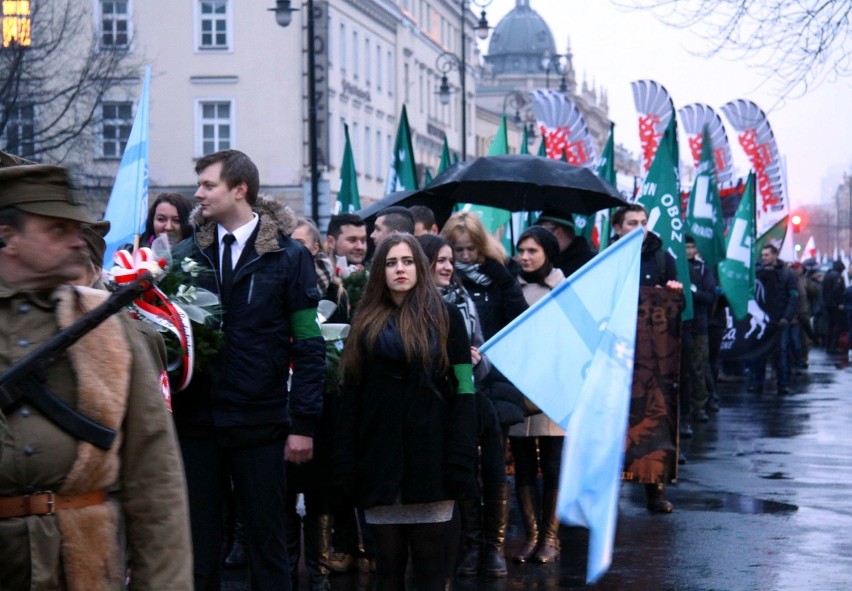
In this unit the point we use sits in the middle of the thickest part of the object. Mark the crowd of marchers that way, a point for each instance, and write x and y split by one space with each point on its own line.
349 416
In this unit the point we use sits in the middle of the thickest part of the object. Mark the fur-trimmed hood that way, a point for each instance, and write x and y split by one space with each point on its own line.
275 218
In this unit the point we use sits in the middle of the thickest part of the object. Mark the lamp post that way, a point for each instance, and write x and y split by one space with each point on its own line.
554 61
283 17
447 61
517 101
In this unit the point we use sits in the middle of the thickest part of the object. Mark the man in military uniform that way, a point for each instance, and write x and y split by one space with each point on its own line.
76 513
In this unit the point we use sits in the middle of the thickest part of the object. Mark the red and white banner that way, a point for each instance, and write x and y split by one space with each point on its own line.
695 118
758 142
655 109
563 128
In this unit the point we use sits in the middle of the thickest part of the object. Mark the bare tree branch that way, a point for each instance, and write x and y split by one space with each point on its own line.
797 44
64 75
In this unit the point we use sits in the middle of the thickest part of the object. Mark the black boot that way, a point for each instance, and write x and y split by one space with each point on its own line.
526 503
293 533
237 557
318 550
495 521
655 494
548 549
471 538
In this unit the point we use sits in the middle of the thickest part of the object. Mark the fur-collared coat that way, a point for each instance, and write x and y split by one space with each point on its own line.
110 376
270 324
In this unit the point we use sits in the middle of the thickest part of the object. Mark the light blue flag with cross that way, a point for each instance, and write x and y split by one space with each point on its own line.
127 207
572 354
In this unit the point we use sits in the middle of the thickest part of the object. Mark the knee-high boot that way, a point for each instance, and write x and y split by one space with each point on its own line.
318 550
548 549
495 521
526 503
471 542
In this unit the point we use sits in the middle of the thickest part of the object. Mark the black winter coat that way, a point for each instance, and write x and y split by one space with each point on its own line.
499 303
780 291
267 329
703 296
403 435
578 253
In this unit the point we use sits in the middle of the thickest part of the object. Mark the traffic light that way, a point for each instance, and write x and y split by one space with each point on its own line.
797 223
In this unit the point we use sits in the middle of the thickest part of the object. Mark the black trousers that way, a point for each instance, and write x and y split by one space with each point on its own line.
252 458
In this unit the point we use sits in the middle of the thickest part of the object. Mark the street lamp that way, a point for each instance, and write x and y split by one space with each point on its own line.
517 101
448 61
554 61
283 17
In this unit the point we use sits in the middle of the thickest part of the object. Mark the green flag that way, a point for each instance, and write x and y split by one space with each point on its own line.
495 220
403 172
445 157
774 236
660 196
427 176
736 272
606 170
348 198
524 139
542 147
704 212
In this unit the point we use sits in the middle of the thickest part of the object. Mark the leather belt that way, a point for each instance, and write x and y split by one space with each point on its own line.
48 503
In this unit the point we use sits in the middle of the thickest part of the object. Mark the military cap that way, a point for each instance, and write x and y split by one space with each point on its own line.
43 189
94 234
556 217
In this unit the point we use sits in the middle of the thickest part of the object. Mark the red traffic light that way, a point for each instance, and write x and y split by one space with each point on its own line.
797 220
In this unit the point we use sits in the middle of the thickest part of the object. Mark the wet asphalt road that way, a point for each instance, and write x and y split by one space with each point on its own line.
764 502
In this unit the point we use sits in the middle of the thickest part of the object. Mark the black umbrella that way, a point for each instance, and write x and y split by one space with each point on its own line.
516 182
521 182
442 208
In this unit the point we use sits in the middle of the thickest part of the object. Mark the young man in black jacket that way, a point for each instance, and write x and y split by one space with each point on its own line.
258 405
781 303
657 268
574 251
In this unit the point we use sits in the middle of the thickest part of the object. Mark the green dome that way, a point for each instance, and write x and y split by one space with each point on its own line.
519 41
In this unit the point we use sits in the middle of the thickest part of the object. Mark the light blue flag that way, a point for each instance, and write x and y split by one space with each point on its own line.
127 207
571 353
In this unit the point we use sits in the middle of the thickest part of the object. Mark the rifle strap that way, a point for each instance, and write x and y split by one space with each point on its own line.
60 414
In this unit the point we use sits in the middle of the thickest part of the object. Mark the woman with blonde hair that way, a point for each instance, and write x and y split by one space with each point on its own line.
481 266
406 441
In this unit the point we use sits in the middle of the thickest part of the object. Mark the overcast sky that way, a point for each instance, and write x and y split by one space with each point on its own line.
613 47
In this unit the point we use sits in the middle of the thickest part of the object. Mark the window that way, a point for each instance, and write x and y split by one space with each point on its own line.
20 131
213 24
355 64
378 154
115 24
215 123
378 67
116 122
17 22
405 82
367 66
343 48
368 151
390 73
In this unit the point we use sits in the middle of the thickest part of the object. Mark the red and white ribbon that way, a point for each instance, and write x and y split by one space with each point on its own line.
155 307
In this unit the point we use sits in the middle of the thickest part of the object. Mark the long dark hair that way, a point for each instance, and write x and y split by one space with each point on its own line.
421 319
183 207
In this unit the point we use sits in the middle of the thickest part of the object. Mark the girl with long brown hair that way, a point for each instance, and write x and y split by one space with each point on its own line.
406 441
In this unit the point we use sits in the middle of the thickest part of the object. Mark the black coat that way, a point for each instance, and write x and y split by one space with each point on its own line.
703 296
402 435
498 303
578 253
780 291
273 296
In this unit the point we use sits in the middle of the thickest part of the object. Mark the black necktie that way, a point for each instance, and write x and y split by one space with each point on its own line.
227 266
